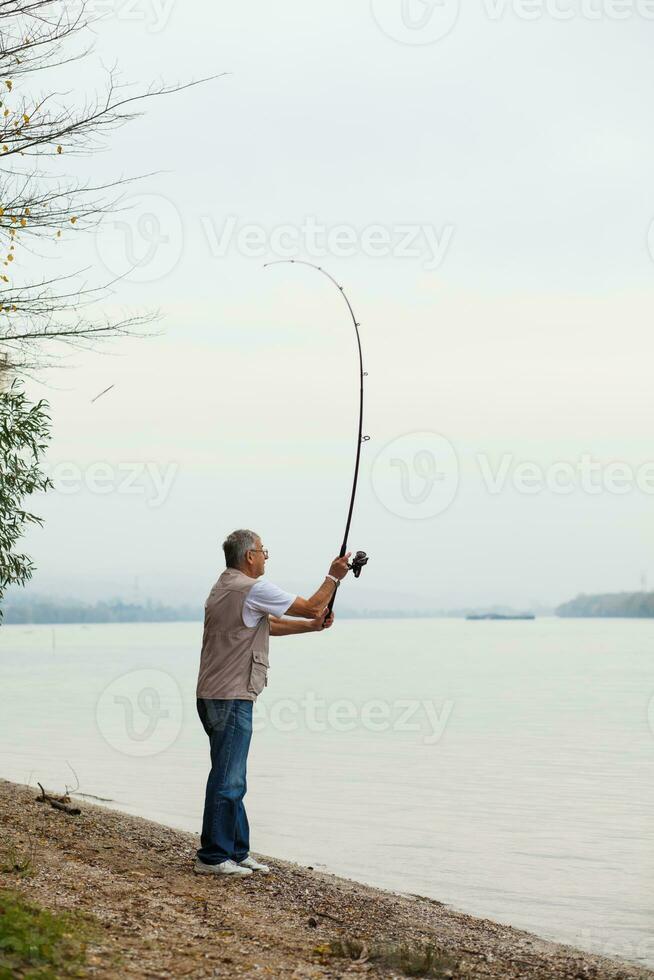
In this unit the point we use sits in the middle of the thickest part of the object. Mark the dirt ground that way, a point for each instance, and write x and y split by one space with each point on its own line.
155 918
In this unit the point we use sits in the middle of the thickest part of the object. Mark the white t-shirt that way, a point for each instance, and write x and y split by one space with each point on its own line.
265 599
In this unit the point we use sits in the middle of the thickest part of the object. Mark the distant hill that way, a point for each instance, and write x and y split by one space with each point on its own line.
634 605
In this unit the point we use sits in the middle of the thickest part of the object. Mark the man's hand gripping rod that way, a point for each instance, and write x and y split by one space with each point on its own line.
356 565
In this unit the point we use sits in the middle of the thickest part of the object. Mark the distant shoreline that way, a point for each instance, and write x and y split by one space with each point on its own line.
349 616
38 611
23 610
391 614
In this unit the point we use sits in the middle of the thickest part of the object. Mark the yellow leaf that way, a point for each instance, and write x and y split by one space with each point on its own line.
10 258
9 85
6 112
26 118
5 149
2 211
28 210
73 220
59 234
23 222
58 149
13 218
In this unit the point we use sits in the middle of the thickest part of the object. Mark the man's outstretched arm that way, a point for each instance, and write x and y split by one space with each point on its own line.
288 627
317 603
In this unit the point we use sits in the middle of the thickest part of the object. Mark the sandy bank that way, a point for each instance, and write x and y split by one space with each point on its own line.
134 877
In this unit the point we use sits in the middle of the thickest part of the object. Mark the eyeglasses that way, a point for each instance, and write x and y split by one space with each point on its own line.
259 551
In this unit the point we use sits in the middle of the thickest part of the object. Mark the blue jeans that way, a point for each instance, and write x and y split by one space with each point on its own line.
225 828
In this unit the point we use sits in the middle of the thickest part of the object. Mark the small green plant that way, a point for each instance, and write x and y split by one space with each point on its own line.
24 434
37 944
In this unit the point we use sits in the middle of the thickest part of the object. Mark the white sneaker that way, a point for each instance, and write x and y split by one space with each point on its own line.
224 868
249 862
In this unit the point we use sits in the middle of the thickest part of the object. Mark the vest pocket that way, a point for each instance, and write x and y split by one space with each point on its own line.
258 672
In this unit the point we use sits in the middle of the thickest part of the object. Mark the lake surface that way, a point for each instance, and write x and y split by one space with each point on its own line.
505 768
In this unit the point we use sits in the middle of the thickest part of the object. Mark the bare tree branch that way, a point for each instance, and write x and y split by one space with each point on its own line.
38 203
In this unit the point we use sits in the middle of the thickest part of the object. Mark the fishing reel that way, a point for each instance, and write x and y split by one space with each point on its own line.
357 563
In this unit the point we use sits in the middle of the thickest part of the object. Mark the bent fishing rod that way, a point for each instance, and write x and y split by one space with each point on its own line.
360 558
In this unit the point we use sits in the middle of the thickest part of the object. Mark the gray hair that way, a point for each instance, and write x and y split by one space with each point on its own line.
236 545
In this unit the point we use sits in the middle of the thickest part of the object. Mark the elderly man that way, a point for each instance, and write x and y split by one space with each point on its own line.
242 611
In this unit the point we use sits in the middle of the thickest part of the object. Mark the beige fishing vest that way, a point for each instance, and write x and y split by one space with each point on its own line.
234 661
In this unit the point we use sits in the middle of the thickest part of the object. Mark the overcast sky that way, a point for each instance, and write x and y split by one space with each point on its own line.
481 183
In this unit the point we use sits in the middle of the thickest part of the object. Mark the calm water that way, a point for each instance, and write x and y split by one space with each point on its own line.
504 768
